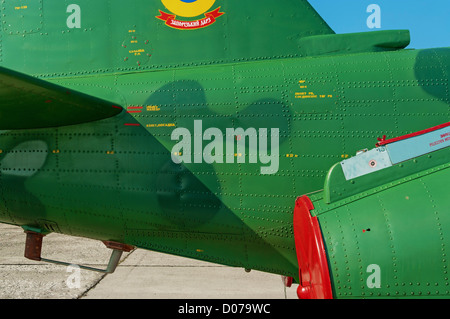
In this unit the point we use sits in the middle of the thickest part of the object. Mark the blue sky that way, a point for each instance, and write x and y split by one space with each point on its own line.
428 21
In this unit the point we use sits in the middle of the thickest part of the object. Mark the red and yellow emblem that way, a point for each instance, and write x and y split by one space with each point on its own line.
189 9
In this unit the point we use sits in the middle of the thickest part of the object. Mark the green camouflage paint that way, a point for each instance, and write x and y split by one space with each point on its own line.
110 175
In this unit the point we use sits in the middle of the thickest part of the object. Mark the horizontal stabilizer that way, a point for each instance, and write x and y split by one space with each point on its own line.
375 41
28 103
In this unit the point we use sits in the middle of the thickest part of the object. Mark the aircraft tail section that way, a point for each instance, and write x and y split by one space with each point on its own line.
236 30
113 36
98 37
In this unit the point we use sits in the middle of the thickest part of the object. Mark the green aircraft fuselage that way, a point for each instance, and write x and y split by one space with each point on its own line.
215 191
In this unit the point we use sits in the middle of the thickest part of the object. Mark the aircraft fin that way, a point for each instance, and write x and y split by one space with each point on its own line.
242 31
28 103
157 35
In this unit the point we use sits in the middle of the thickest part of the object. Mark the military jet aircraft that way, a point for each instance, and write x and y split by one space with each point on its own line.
243 133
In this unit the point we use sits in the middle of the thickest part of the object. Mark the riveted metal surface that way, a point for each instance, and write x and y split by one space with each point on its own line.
399 227
115 179
126 164
95 45
22 17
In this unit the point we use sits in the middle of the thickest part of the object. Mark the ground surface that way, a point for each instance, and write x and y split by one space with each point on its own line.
141 274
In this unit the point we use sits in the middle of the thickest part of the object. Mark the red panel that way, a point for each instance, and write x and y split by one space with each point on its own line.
312 260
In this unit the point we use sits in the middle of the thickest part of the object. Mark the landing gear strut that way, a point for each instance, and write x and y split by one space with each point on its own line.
33 247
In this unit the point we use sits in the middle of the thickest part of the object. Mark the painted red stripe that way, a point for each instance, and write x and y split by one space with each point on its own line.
132 124
135 107
404 137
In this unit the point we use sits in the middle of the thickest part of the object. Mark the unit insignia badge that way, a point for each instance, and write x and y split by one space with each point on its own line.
189 9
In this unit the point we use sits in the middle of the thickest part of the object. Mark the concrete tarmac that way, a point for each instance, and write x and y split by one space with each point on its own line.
141 274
